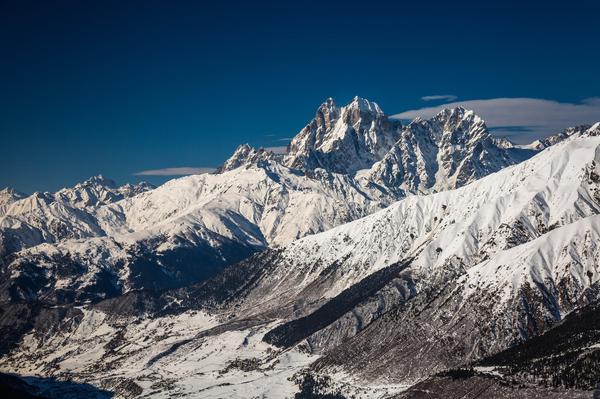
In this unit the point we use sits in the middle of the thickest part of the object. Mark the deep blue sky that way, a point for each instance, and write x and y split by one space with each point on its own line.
89 87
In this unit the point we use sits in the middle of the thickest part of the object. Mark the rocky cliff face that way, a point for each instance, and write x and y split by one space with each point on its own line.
247 156
450 150
343 140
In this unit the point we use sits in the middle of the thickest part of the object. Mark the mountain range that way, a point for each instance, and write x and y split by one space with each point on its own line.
348 162
373 259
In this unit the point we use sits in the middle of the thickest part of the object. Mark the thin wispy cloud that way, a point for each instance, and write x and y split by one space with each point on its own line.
286 139
521 119
182 171
440 97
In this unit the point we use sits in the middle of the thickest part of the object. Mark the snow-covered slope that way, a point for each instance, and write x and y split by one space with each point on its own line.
96 191
8 196
26 221
135 357
512 269
423 285
187 229
467 225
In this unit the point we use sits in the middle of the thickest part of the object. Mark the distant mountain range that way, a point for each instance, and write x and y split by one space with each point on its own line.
373 259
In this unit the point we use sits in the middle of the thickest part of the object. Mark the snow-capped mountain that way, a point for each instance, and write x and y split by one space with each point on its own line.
365 309
348 162
185 230
245 155
343 140
27 221
575 131
447 151
460 228
98 190
9 196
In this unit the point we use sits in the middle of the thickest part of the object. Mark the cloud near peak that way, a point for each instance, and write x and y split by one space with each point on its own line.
440 97
522 119
182 171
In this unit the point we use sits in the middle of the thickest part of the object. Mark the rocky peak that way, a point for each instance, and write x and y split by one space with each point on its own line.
594 130
457 125
315 132
98 180
244 155
327 114
361 110
98 190
10 193
574 131
129 190
343 140
9 196
447 151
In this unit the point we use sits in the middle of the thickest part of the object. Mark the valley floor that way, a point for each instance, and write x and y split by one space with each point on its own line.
165 357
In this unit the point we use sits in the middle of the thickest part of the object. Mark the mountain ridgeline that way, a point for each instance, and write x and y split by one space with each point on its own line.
96 240
373 259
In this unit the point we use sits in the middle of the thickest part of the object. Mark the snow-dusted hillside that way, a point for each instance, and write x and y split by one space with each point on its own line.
467 225
374 305
348 162
185 230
